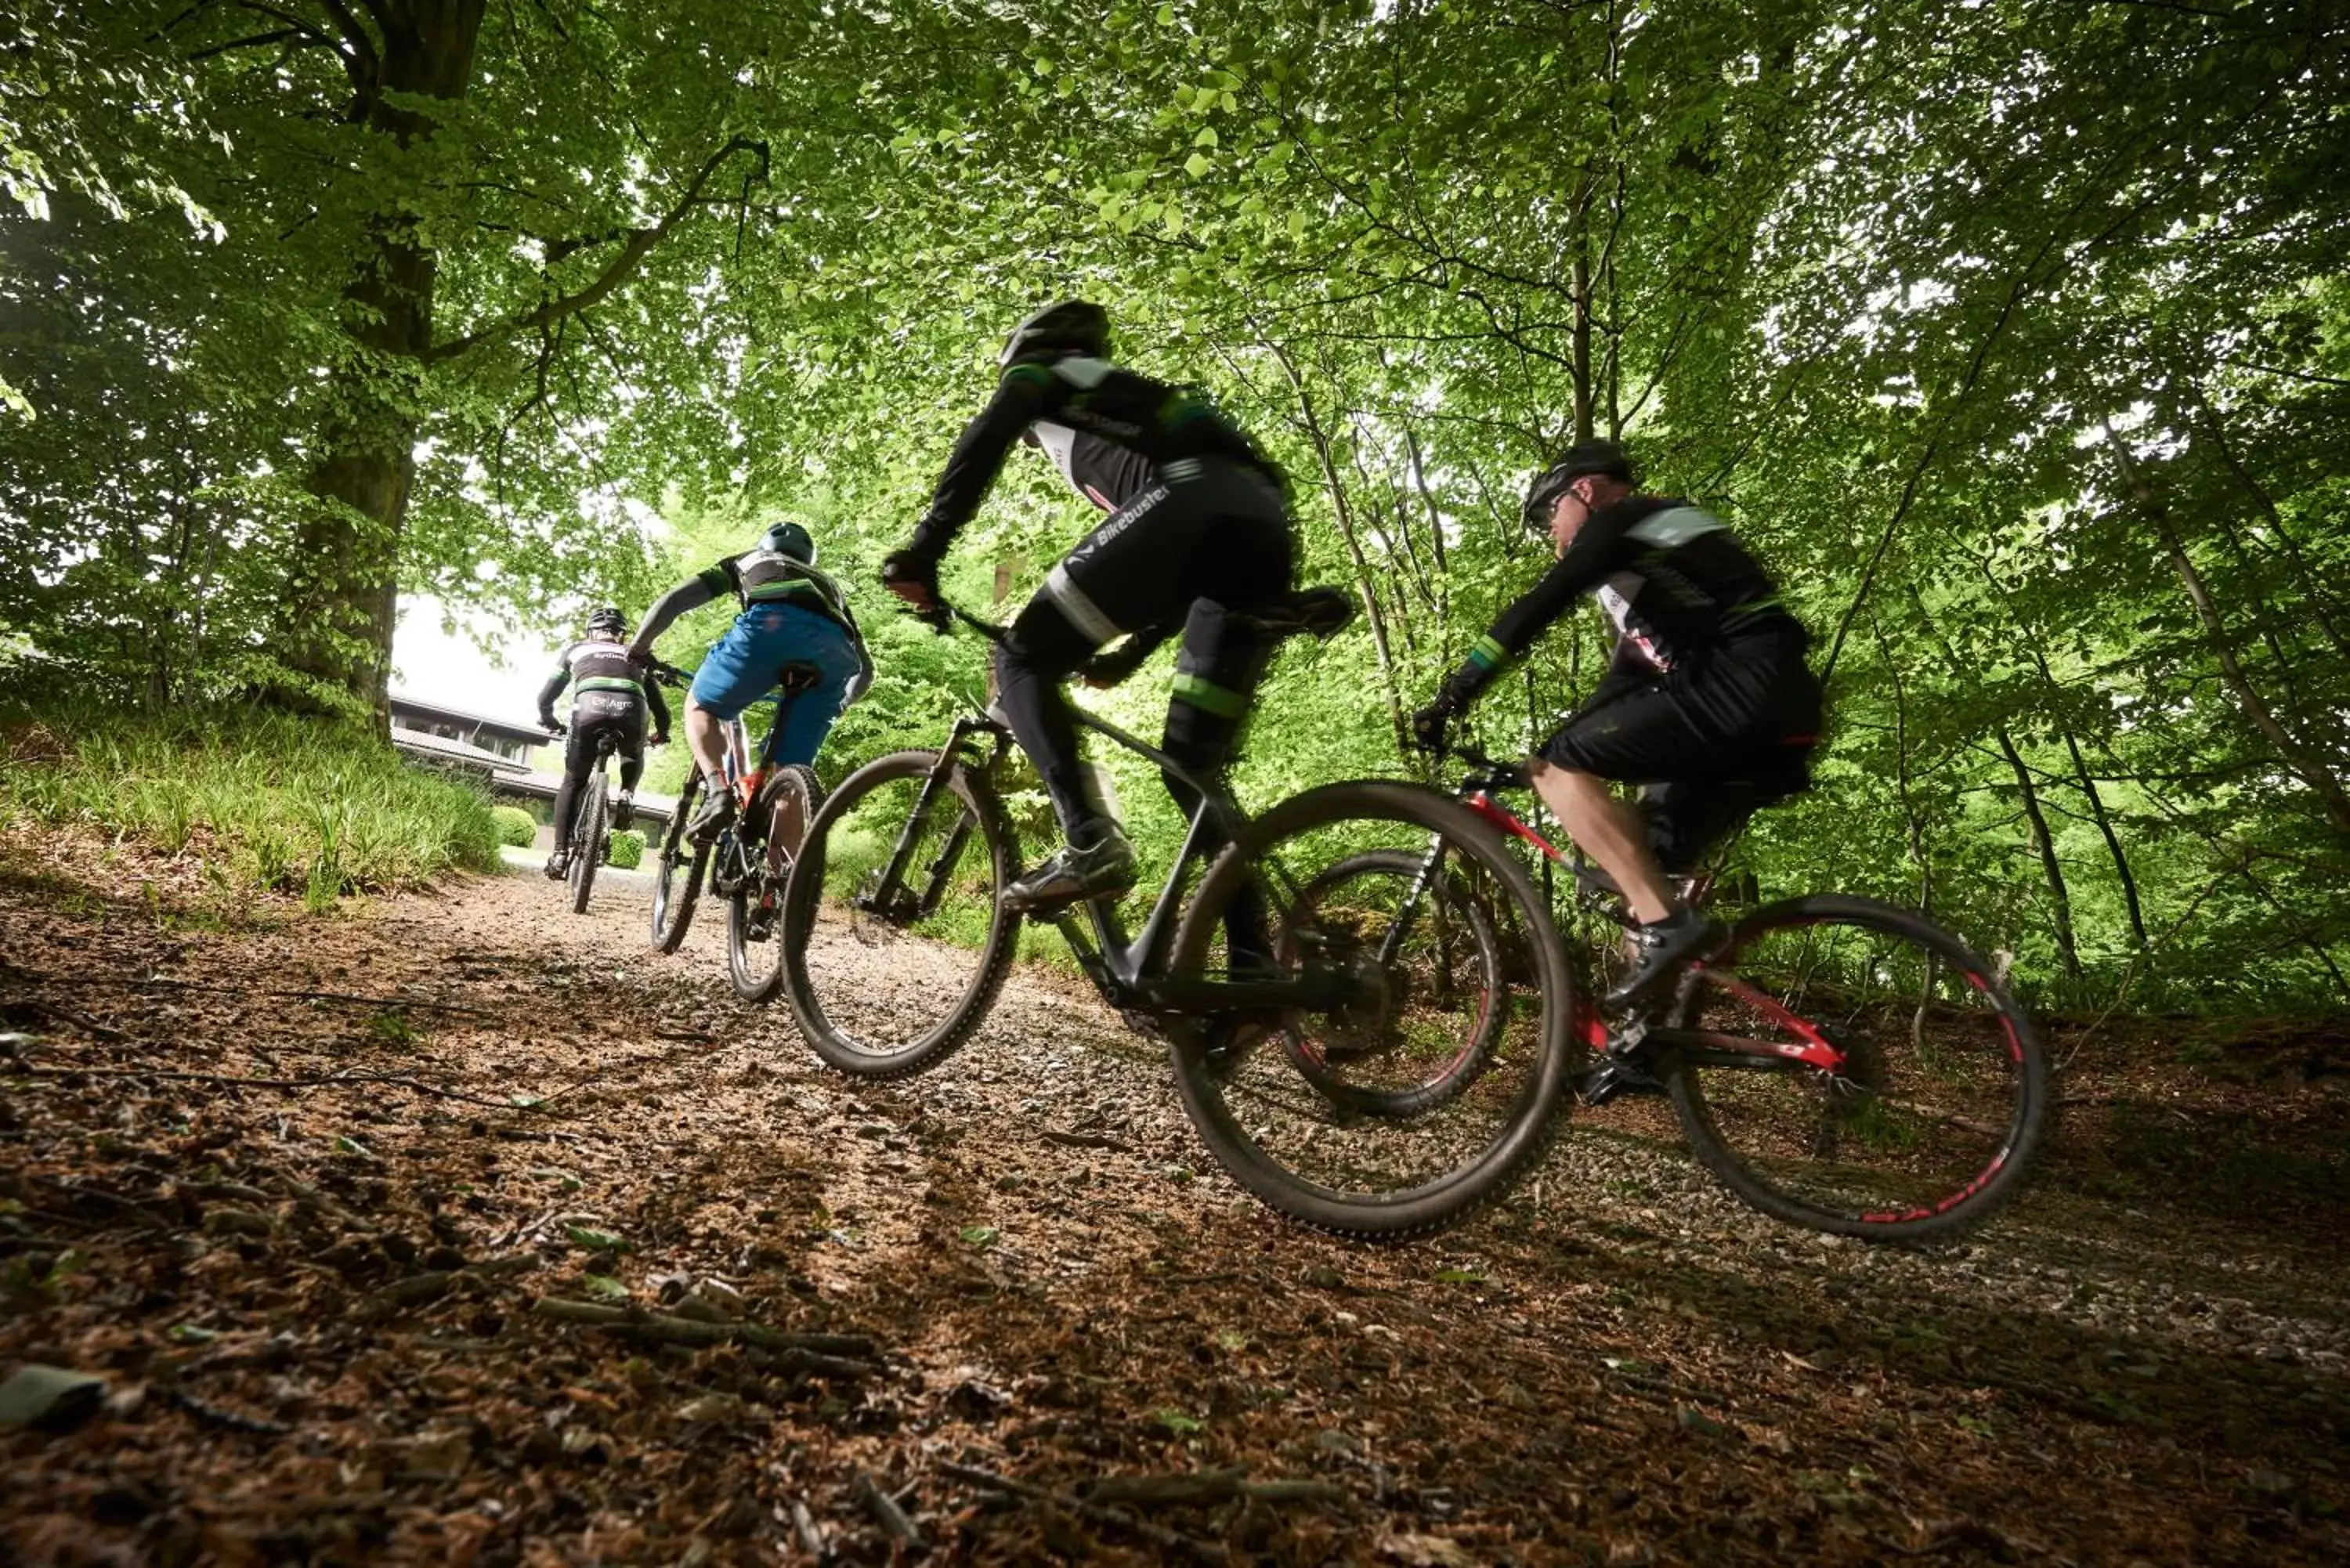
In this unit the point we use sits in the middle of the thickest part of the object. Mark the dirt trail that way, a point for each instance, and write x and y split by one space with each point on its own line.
316 1305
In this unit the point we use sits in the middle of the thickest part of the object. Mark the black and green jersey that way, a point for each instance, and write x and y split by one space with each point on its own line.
1672 578
601 664
769 576
1109 431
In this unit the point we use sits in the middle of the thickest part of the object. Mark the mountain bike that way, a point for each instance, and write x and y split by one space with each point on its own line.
750 859
1290 953
590 818
1840 1064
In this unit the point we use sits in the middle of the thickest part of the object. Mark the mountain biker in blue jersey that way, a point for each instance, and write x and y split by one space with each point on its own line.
1198 531
792 613
610 694
1708 702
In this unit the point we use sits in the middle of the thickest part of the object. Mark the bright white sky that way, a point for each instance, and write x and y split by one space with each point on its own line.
432 666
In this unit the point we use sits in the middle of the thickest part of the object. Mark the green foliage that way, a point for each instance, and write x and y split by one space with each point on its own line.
2039 422
625 849
266 800
516 826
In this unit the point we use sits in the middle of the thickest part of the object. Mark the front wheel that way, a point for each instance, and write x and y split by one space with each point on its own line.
895 937
587 841
778 818
1925 1127
678 875
1423 1088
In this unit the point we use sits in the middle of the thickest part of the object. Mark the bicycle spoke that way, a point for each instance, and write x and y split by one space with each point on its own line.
887 973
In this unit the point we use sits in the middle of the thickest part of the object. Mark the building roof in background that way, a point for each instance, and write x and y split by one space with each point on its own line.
407 708
440 748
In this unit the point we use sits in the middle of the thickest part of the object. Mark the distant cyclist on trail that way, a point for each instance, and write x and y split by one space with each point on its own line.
1708 702
792 613
610 694
1198 529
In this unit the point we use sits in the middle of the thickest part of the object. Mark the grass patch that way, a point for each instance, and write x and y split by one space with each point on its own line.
277 801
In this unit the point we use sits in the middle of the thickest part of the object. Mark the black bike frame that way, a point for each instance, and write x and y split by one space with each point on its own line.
1129 972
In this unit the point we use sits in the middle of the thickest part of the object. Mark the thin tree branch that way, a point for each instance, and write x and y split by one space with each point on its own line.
633 251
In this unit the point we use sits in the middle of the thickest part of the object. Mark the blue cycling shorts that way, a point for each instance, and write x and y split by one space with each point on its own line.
745 664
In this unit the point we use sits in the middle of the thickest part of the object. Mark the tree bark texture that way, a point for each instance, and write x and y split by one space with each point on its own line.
342 597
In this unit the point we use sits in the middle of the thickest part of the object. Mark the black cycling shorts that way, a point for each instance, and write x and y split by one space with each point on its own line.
595 715
1209 529
1714 739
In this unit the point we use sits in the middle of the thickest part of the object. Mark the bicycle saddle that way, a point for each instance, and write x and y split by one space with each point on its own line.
1322 612
799 676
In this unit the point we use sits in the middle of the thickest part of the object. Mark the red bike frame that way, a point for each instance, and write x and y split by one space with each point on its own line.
1816 1050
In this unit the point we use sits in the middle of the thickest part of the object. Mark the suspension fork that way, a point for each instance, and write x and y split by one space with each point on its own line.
893 874
1482 805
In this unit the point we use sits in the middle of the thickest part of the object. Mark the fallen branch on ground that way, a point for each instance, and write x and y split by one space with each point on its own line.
1157 1534
1086 1140
826 1354
220 1416
1108 1500
80 1021
894 1520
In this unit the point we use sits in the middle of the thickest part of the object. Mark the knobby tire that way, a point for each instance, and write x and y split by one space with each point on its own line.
586 840
755 964
1997 1154
968 792
1539 1110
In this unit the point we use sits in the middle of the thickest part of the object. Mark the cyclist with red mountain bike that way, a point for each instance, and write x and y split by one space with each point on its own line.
792 613
1708 702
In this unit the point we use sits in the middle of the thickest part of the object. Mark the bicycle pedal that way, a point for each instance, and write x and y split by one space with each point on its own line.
1613 1077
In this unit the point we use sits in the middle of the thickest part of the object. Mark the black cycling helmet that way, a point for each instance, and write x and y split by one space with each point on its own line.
788 538
1600 457
609 620
1072 327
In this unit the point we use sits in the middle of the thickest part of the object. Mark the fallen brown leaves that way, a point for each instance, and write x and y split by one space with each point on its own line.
398 1300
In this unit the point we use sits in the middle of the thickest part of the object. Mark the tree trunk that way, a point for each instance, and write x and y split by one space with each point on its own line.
2310 769
1916 832
2312 582
336 633
2067 950
2112 841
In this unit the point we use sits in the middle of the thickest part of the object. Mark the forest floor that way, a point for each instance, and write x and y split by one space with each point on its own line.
1006 1311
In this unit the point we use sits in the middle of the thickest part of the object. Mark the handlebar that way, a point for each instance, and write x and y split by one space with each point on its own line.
669 674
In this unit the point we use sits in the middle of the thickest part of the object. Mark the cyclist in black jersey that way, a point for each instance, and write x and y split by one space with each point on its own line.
609 693
1199 529
1707 701
792 613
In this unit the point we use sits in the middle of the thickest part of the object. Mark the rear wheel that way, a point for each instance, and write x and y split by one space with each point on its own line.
586 840
778 814
1417 1048
1929 1123
895 937
678 873
1427 1089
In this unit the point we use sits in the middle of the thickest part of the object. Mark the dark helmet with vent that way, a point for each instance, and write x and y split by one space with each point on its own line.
1072 327
606 620
1603 457
789 538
